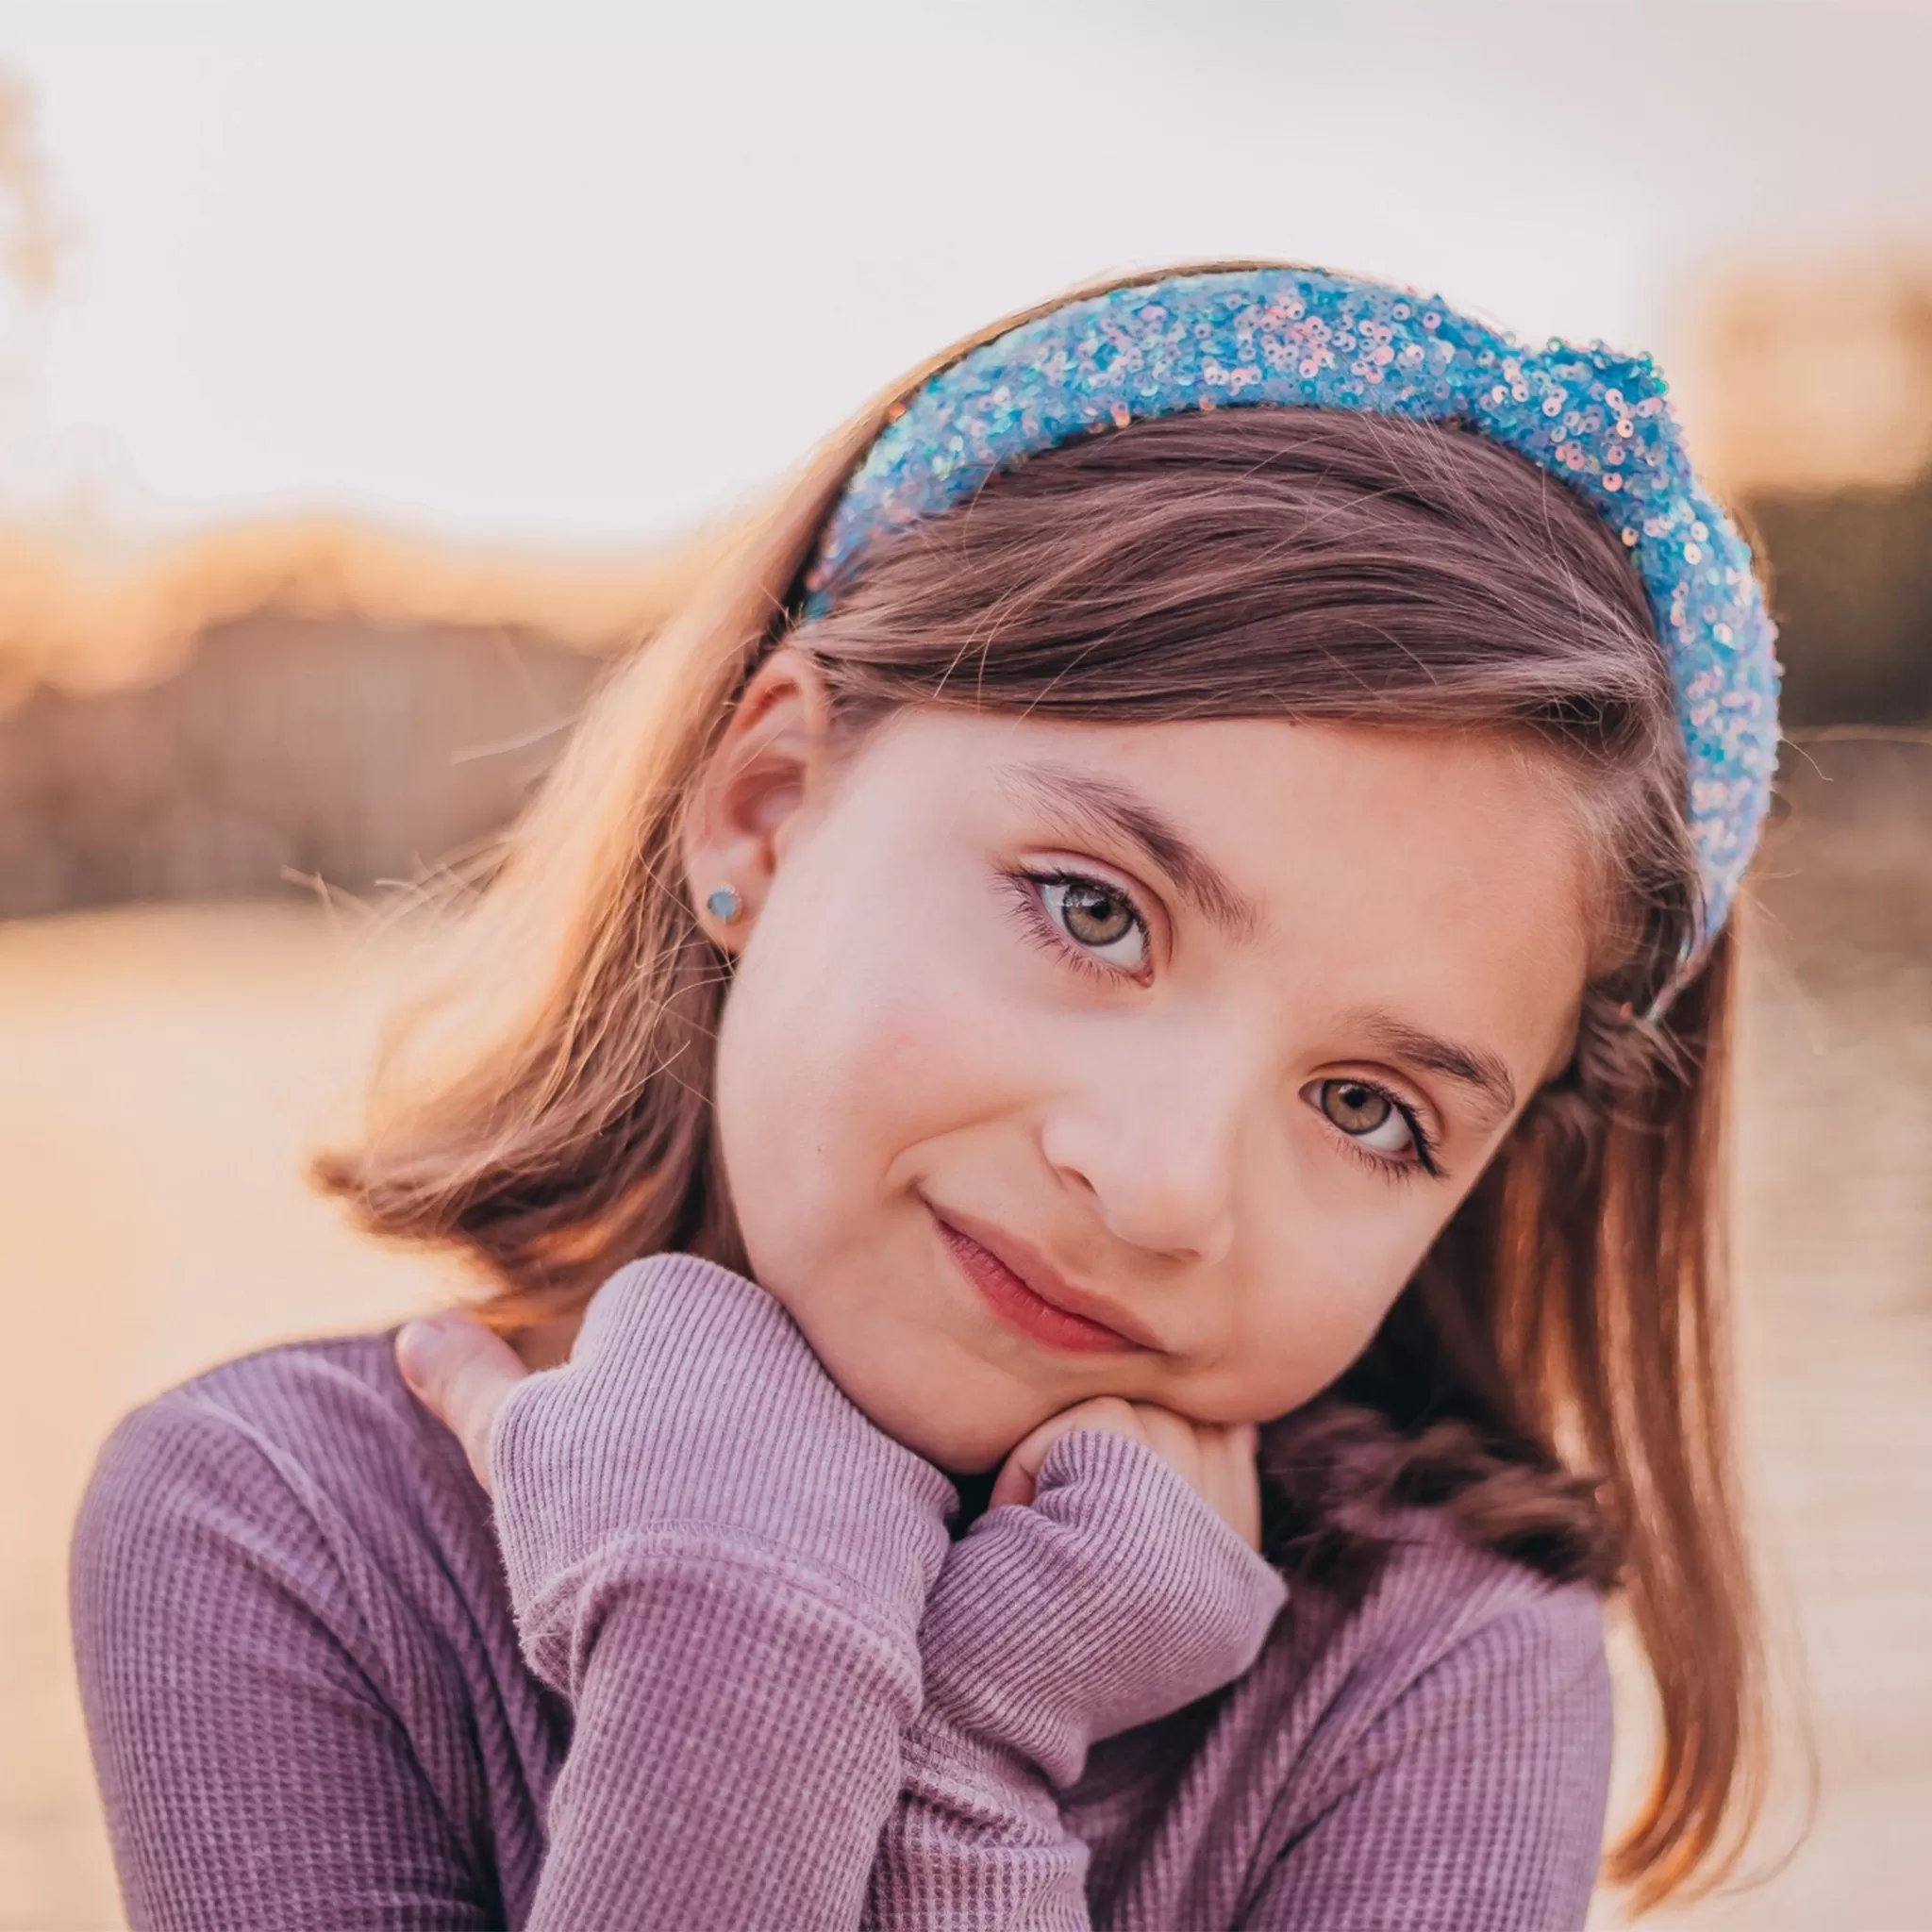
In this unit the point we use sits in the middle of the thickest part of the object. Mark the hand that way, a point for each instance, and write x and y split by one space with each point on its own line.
460 1372
1128 1585
1215 1459
690 1399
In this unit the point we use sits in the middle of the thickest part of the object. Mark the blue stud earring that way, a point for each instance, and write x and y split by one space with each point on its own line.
724 903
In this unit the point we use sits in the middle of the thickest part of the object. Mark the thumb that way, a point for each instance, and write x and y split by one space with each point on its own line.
460 1373
1019 1478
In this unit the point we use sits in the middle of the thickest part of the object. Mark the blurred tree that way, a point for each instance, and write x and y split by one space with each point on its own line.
1812 406
1852 587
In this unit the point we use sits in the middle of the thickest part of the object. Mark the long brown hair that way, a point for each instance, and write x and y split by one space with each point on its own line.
1552 1378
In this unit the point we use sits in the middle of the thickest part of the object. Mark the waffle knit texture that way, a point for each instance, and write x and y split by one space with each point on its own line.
714 1660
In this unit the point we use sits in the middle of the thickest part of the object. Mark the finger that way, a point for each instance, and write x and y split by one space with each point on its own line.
1019 1478
1239 1482
1175 1438
1015 1483
1221 1456
1231 1449
1215 1459
460 1373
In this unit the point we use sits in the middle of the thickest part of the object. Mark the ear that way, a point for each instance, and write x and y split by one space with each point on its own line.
771 763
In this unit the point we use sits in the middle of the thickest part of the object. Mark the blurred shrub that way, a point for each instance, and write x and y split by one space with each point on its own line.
1852 587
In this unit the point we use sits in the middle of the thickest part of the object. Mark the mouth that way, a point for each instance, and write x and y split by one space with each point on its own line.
1035 1301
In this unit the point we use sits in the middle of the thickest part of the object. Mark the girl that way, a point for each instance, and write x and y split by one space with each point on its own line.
1097 1092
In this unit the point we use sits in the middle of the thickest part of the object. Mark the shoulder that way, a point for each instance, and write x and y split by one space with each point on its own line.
307 1471
326 1423
1446 1629
1443 1746
1436 1598
295 1655
1433 1754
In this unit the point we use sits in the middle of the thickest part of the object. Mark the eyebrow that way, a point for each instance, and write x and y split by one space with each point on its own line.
1099 806
1473 1067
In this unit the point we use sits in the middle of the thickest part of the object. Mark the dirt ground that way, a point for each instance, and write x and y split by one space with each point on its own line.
162 1070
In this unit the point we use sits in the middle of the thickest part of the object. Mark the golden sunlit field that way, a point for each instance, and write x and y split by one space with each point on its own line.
162 1070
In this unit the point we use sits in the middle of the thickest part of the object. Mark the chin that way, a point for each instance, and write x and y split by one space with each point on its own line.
897 1355
932 1426
962 1415
964 1452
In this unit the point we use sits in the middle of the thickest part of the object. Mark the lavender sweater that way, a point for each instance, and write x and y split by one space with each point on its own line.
713 1661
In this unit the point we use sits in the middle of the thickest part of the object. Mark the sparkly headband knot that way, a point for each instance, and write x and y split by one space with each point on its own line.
1303 337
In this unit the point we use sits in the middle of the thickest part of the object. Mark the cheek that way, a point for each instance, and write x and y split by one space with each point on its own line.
849 1040
824 1090
1316 1305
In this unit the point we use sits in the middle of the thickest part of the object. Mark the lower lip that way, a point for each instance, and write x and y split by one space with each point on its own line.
1017 1305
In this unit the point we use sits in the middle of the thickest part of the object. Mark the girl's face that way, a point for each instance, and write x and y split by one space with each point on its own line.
1065 1061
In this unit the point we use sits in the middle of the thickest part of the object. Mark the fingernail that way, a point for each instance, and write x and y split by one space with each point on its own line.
419 1344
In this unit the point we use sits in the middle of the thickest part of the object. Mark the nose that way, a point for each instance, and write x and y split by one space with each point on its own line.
1155 1141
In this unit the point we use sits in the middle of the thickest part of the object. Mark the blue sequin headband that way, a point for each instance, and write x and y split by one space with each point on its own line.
1293 336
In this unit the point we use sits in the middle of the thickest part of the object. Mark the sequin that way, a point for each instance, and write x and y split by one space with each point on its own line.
1301 338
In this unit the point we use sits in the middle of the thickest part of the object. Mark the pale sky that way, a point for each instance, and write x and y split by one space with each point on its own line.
571 273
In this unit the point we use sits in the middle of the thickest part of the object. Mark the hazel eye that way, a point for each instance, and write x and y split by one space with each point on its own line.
1099 918
1366 1114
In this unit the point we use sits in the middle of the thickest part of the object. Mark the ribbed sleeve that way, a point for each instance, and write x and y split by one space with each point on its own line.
1116 1598
721 1564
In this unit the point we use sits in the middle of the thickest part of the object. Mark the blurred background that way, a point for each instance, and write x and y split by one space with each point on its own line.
364 368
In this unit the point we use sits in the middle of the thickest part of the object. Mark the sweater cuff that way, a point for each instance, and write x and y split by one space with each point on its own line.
692 1399
1117 1597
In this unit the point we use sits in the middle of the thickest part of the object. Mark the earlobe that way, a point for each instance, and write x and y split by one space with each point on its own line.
748 797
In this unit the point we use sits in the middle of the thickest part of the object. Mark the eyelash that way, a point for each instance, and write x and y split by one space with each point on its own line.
1045 931
1401 1172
